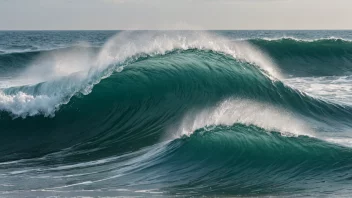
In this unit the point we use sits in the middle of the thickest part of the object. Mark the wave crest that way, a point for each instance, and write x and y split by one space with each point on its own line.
243 111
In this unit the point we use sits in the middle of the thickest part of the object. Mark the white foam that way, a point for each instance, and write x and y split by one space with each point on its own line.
128 44
334 88
243 111
66 73
250 112
24 104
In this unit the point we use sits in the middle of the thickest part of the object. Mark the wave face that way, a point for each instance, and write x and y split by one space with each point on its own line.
176 113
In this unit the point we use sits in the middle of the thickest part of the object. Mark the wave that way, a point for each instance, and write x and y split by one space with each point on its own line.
181 67
171 113
81 68
301 58
80 71
163 87
285 56
136 106
240 160
227 160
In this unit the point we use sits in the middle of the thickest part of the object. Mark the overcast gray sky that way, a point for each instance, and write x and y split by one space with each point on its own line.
175 14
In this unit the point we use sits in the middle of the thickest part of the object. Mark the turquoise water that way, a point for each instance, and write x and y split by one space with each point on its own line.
175 113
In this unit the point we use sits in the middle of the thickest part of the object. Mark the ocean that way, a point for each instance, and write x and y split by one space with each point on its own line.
176 113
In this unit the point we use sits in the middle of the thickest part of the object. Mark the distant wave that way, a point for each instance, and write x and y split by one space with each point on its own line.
321 57
332 38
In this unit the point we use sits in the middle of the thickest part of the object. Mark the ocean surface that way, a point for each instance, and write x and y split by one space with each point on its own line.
175 113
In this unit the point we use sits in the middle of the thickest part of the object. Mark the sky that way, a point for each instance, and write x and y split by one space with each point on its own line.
174 14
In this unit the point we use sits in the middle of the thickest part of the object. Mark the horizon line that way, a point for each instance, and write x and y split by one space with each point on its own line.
175 29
